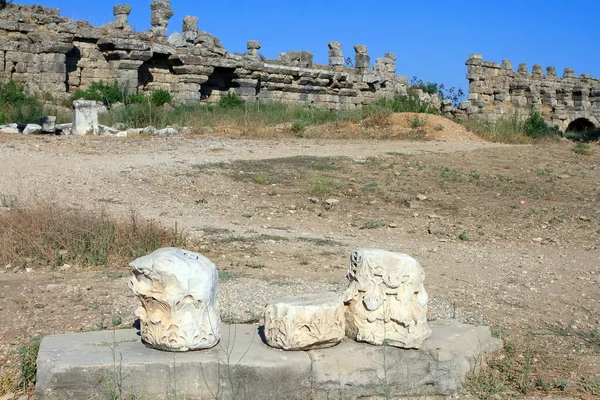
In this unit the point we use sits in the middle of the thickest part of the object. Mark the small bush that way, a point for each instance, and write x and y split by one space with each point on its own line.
298 127
535 126
231 100
17 106
417 121
161 97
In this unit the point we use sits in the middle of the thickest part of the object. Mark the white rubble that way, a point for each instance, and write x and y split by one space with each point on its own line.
178 290
305 322
386 302
31 129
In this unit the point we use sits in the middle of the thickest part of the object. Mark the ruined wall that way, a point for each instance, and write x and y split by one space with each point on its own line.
496 89
51 54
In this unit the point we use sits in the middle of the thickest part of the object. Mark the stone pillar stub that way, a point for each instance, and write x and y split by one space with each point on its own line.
178 290
362 60
161 12
551 71
190 28
336 55
386 302
253 46
507 64
305 322
569 73
85 118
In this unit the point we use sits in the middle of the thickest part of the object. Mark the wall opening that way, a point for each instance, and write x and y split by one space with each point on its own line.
582 129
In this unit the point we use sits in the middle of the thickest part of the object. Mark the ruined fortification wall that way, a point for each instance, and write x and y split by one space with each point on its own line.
51 54
496 89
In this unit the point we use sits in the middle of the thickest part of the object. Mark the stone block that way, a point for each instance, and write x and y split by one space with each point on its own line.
178 291
305 322
85 118
386 300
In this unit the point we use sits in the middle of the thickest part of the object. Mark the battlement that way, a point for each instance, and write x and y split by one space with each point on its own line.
495 88
52 54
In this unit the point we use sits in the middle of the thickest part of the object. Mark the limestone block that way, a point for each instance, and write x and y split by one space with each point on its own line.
190 28
253 46
178 290
31 129
386 301
305 322
48 124
85 118
177 40
360 49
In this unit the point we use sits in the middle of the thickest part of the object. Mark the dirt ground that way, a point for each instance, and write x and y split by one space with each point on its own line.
508 235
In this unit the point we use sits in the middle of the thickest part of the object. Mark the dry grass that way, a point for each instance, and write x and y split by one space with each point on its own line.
51 234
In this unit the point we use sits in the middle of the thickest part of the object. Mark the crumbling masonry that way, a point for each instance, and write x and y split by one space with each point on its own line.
51 54
571 102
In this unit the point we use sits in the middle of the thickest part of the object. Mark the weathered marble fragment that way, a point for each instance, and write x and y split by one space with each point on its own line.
178 290
305 322
386 302
85 118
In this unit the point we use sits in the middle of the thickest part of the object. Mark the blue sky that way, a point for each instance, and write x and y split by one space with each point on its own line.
432 39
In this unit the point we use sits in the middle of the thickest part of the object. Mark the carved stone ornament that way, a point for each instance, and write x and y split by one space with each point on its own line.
178 291
305 322
386 301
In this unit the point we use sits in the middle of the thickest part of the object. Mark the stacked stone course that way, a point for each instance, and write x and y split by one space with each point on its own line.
496 89
51 54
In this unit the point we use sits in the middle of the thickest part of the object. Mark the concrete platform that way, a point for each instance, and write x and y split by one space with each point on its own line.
93 365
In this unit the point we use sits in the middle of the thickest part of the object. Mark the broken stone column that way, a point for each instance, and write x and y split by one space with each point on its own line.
85 118
190 28
178 290
362 60
537 71
522 69
253 46
161 12
336 55
569 73
507 64
551 72
305 322
386 302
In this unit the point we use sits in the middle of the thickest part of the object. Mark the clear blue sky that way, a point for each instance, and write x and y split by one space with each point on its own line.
432 39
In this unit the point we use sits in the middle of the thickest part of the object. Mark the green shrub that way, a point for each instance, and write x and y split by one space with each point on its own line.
161 97
298 127
102 92
16 105
583 149
137 98
231 100
28 362
535 126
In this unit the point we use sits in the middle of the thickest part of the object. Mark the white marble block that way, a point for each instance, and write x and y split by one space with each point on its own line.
386 301
305 322
85 118
178 290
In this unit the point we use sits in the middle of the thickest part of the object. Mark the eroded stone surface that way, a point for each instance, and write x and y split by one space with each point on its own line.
85 118
305 322
386 301
178 290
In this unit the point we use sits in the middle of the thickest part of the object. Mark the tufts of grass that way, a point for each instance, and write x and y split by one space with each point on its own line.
583 149
417 121
28 362
17 106
51 234
372 225
409 103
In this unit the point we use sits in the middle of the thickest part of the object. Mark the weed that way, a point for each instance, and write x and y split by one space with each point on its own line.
409 103
28 362
583 149
588 385
320 242
231 100
372 225
464 237
161 97
108 94
8 383
255 265
321 185
226 276
417 121
439 127
298 127
535 126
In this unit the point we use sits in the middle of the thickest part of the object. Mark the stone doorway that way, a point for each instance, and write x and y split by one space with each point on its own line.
583 129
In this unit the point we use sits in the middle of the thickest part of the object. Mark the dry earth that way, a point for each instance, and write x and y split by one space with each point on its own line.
508 235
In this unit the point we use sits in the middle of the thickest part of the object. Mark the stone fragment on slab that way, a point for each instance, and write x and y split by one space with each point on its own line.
190 28
178 290
85 118
305 322
9 129
167 132
177 40
253 46
386 301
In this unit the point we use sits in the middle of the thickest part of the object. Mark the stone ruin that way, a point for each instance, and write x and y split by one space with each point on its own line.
569 101
48 53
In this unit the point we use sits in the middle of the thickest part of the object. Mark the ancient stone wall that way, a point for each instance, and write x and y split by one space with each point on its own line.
51 54
496 89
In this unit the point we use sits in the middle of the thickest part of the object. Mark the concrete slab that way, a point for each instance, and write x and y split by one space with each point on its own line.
93 365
